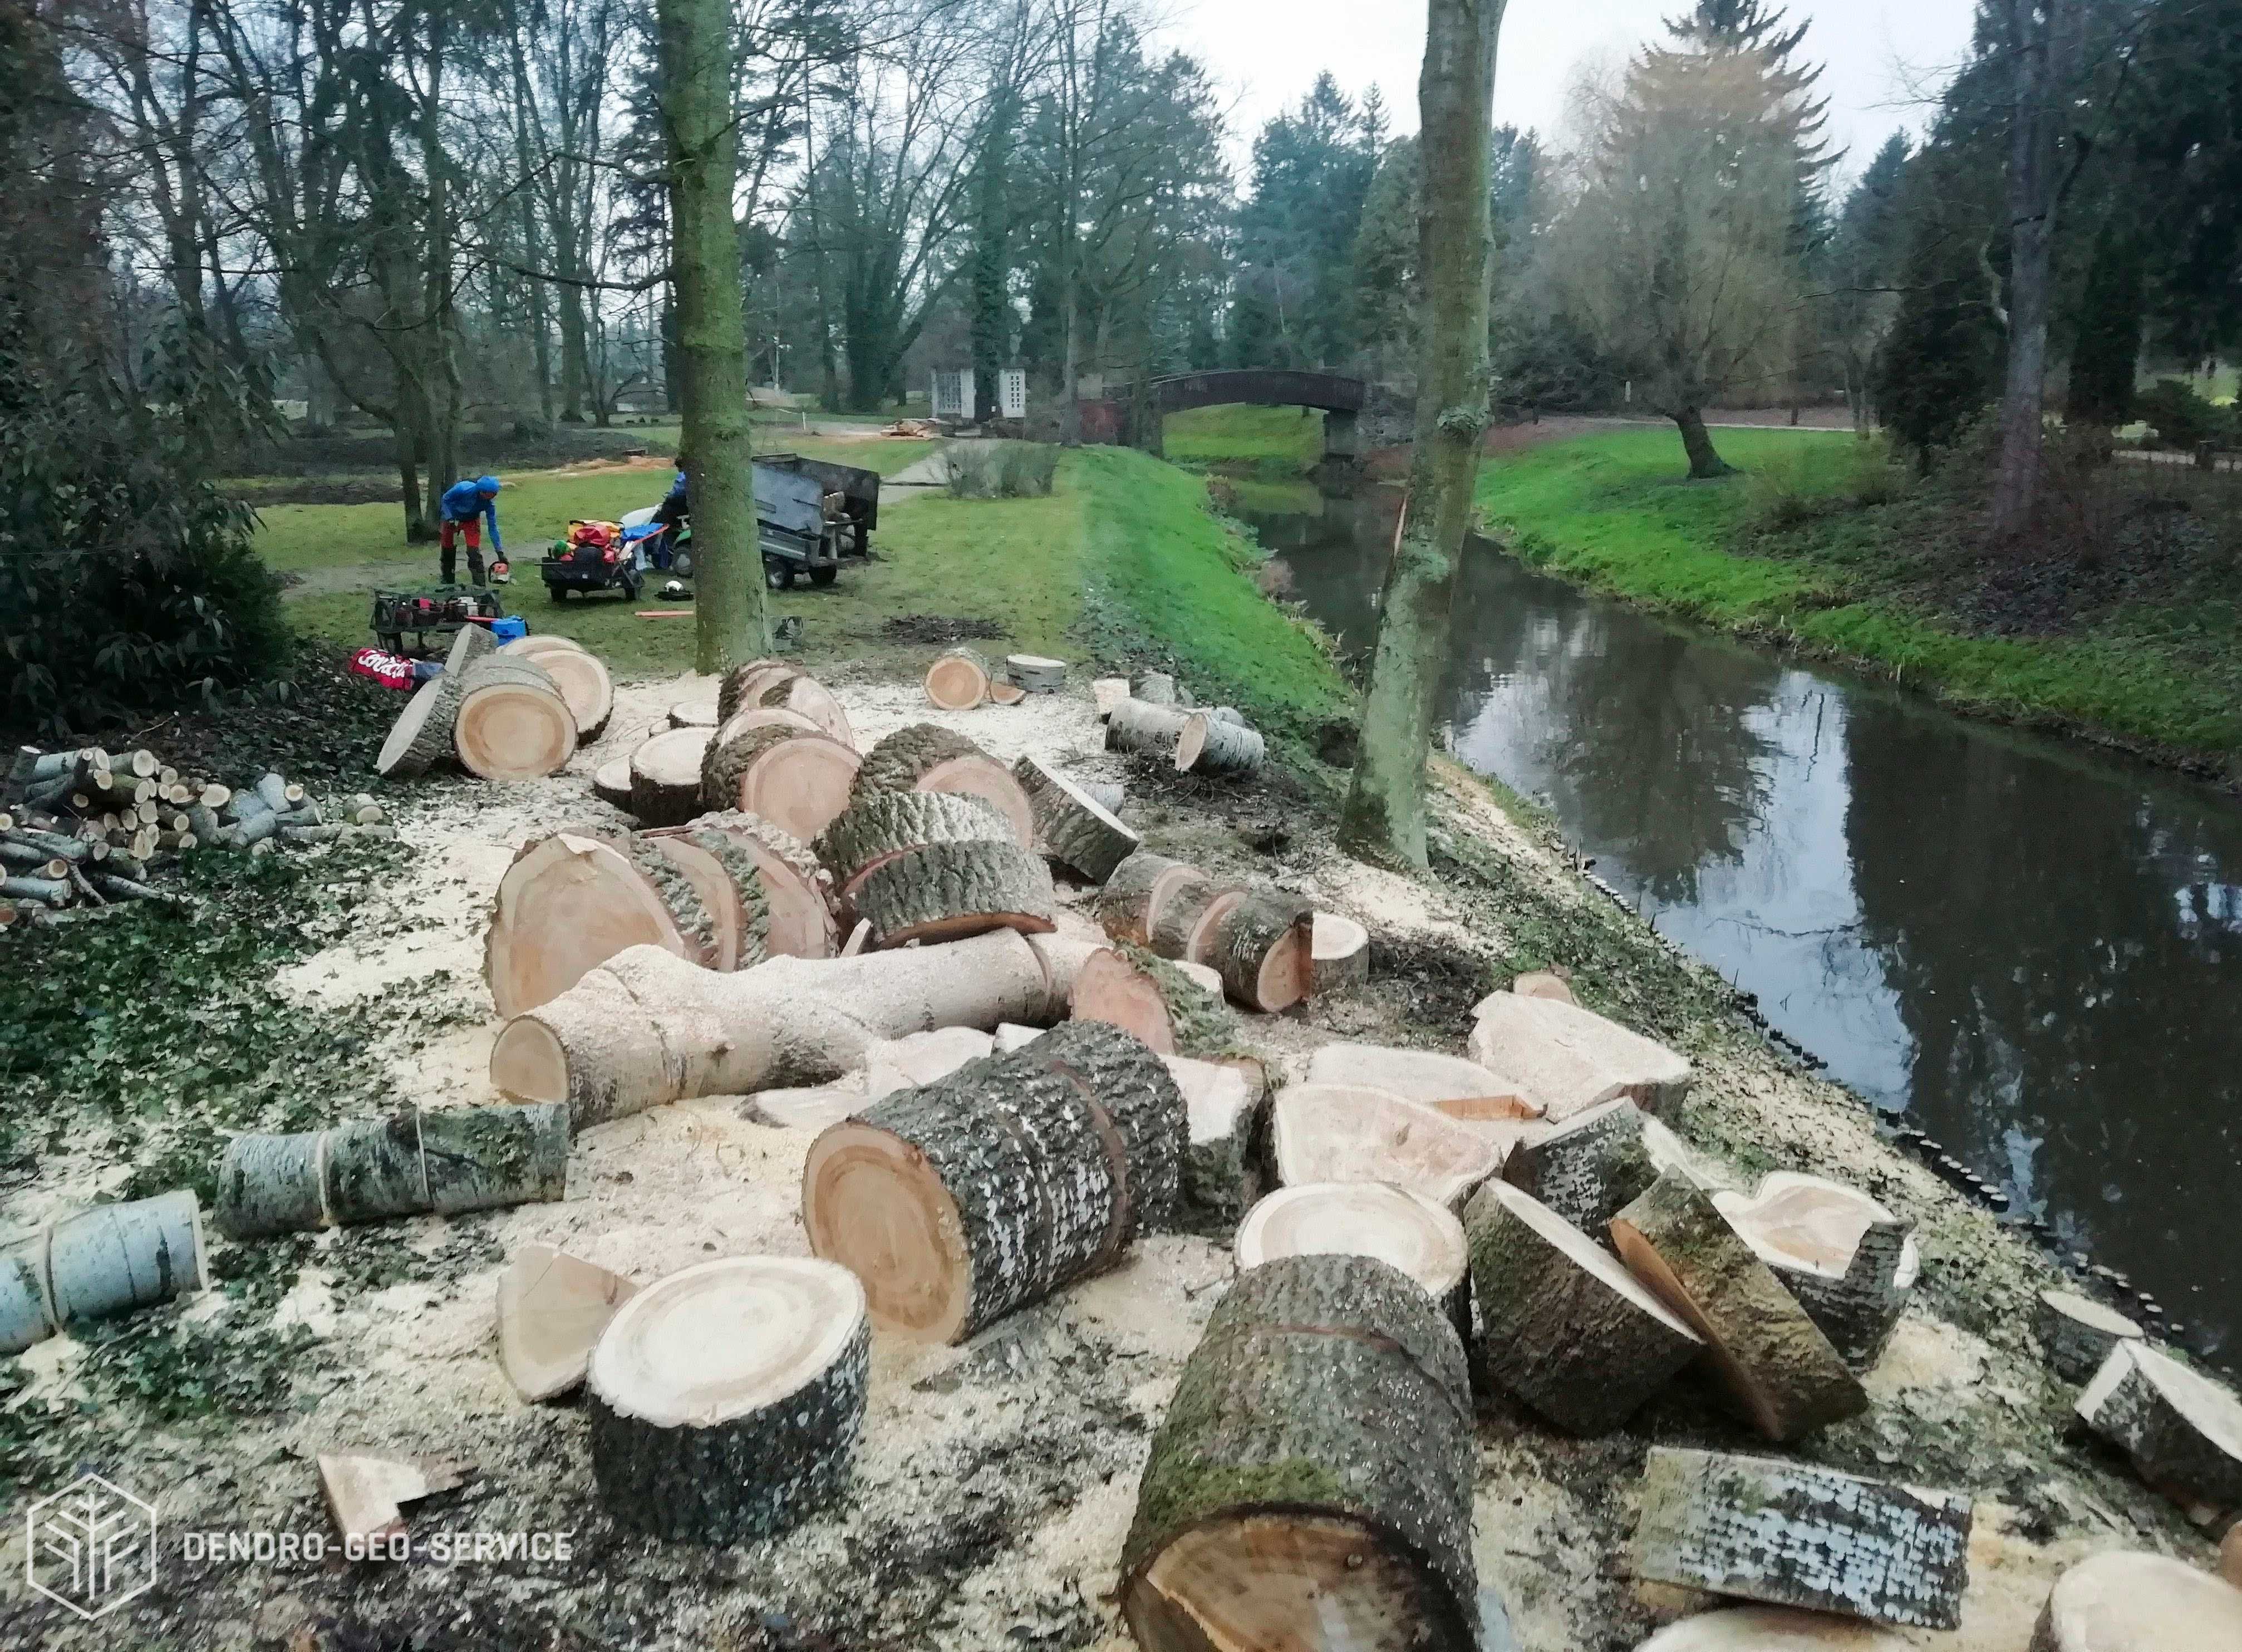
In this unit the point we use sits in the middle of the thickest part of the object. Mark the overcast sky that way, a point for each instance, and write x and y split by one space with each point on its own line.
1882 57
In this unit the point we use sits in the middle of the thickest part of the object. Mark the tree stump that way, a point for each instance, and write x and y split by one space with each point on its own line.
1850 1262
725 1400
1138 891
552 1308
1149 996
924 758
1263 947
1339 1134
958 680
1770 1629
1147 730
1588 1169
1340 947
665 776
1564 1327
2182 1431
1776 1363
2078 1333
1072 828
2123 1602
798 782
948 891
1794 1534
1212 745
878 826
1035 672
1570 1059
962 1201
1311 1485
513 723
1400 1228
569 903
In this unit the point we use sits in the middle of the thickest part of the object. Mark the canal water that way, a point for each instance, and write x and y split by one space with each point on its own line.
2028 951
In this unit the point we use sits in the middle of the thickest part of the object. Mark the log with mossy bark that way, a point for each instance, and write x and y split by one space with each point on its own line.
950 892
1072 828
1263 947
1225 1105
1311 1485
927 757
1415 1234
959 1202
799 781
444 1160
1138 892
1150 997
646 1028
880 825
2181 1430
1850 1262
1588 1169
1155 688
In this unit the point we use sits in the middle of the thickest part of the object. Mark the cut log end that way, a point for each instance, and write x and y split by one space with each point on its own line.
2079 1332
1343 1133
872 1202
1771 1629
957 680
1342 952
1403 1228
2182 1431
2126 1601
513 723
1317 1583
529 1062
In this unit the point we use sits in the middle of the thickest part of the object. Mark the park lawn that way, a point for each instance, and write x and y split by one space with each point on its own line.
1280 440
1615 512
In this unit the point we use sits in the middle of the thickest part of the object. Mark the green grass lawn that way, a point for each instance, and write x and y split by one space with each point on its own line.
1284 440
1615 513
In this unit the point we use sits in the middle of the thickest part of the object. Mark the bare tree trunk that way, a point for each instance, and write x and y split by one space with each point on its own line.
1385 814
1704 462
696 111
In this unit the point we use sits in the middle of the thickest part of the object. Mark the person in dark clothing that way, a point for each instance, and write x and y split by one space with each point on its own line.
464 507
673 511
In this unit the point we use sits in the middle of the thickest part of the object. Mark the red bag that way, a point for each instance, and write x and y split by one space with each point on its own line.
390 670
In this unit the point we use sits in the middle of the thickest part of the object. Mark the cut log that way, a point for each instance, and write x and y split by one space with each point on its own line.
880 825
1138 892
541 642
647 1028
1263 948
1570 1059
1771 1629
718 912
1002 693
1147 730
1311 1485
584 685
1563 1326
1036 673
1850 1262
1340 1134
958 680
512 722
448 1160
470 644
1157 688
1793 1533
116 1258
280 795
743 684
665 776
920 1059
2078 1333
726 1401
693 714
366 1494
48 891
1777 1365
1588 1169
1190 918
924 758
1542 983
611 783
805 697
1009 1037
959 1202
2182 1431
950 892
1128 987
1211 745
422 733
568 904
1340 947
1107 693
762 717
552 1308
798 782
1221 1106
801 921
1460 1088
1071 827
1403 1229
2122 1600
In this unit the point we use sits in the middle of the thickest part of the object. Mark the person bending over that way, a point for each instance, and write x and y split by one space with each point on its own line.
465 506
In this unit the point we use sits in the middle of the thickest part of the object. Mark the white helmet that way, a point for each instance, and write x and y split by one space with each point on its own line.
674 589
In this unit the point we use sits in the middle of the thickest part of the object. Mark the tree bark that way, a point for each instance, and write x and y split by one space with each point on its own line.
1705 463
1385 814
730 621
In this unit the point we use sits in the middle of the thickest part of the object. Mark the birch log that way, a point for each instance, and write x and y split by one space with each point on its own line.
1145 730
116 1258
1213 745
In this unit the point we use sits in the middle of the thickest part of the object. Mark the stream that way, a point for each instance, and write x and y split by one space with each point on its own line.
2026 949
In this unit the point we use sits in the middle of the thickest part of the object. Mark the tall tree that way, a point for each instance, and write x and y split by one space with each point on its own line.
1385 813
729 616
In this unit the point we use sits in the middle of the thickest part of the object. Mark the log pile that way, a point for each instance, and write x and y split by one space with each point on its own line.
511 714
100 1263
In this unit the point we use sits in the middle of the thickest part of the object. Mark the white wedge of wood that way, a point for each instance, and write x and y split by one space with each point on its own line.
552 1308
367 1493
1213 745
1794 1534
957 680
920 1059
1004 692
926 757
1342 952
1570 1059
726 1401
1153 999
2123 1601
1221 1106
2077 1333
1588 1169
1107 693
646 1028
2182 1431
1771 1629
1263 947
1285 1503
1399 1227
513 723
1564 1327
798 782
1780 1369
1035 672
1850 1262
1072 828
1139 891
665 776
951 891
1340 1134
962 1201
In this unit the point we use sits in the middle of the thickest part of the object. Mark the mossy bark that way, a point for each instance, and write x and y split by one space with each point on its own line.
896 762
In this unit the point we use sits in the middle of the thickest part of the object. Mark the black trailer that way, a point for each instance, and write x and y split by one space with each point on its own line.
852 495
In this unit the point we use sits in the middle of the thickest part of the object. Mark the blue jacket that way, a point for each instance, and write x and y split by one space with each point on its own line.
463 502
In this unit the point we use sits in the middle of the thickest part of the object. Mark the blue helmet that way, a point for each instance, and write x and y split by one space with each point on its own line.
487 484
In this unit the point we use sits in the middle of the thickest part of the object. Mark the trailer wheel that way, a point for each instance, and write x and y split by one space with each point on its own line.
823 576
778 574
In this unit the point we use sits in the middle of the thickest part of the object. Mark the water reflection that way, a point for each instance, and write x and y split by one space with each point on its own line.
2034 953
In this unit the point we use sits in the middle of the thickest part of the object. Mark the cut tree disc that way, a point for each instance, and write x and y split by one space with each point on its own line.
692 714
719 895
1771 1629
801 785
512 724
1342 1133
611 783
665 776
1422 1238
800 921
762 717
2126 1601
870 1198
1006 694
552 1308
958 681
541 642
584 683
566 906
807 697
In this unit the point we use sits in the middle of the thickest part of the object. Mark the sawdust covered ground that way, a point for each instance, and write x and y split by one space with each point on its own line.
995 1481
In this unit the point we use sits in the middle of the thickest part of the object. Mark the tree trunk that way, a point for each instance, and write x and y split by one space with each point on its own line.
697 64
1385 814
1705 464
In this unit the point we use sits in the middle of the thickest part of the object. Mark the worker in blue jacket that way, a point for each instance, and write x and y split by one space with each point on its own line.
465 505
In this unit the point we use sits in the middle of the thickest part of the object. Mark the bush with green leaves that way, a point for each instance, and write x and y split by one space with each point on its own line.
1001 469
2181 417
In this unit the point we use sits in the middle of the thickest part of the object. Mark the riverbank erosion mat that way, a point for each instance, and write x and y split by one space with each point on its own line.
1092 1428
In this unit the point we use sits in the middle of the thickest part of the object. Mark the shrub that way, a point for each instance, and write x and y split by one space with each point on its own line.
1001 469
1781 493
2182 417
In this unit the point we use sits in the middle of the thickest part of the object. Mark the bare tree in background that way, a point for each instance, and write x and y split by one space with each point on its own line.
1385 813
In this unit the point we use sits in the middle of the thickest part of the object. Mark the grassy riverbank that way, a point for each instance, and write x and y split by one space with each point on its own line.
2134 633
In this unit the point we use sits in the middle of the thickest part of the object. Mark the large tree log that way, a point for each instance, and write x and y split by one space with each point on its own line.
512 722
738 686
1263 947
800 919
1776 1363
1563 1326
568 904
1339 1133
1214 745
962 1201
926 757
958 680
1148 730
950 892
725 1400
1850 1262
2182 1431
1403 1229
1588 1169
646 1028
446 1160
2079 1332
1127 987
1189 918
1793 1533
1771 1629
1139 891
1311 1486
1571 1059
1071 827
422 733
878 826
764 685
1037 672
552 1308
665 776
2124 1602
798 782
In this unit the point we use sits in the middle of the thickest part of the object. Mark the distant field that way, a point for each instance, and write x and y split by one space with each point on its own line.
1254 439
